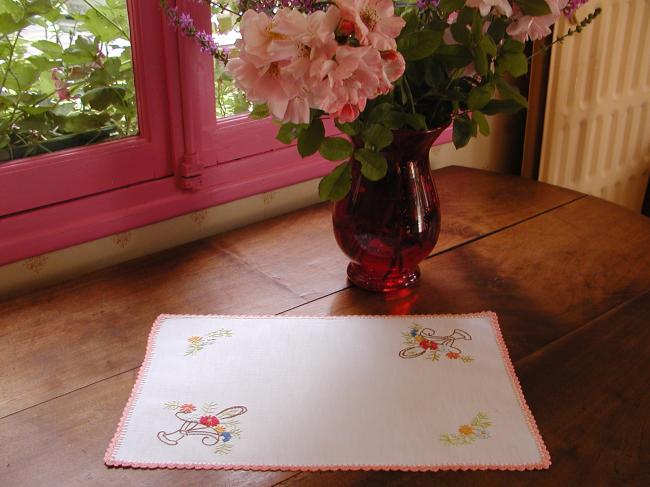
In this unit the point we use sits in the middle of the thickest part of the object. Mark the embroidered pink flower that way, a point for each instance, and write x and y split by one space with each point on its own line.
374 22
209 421
485 6
527 27
187 408
453 355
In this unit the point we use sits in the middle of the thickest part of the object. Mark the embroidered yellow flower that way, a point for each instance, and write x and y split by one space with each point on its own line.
194 339
466 430
418 338
220 428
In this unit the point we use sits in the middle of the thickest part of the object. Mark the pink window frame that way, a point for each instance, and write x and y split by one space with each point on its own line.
205 161
69 174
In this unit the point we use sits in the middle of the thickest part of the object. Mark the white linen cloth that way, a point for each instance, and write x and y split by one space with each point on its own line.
323 393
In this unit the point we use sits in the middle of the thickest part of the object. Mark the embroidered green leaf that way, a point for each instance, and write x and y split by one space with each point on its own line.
476 430
434 357
223 449
197 343
209 407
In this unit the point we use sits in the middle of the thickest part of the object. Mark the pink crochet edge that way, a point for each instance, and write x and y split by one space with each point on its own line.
110 460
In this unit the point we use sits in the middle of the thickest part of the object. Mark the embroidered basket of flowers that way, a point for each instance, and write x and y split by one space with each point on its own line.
214 428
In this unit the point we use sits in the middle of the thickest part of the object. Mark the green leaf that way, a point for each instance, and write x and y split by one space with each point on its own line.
511 92
259 111
448 6
52 49
13 8
466 16
513 46
497 29
77 56
8 25
501 106
455 56
43 63
348 128
534 7
310 139
419 44
287 133
335 148
336 184
480 60
112 66
461 34
373 164
100 27
397 120
85 45
515 64
80 122
38 7
377 136
480 96
39 109
34 122
225 24
482 122
435 75
102 98
22 75
462 131
379 113
488 45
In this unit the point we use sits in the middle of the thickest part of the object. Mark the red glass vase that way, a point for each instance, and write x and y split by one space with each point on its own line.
388 227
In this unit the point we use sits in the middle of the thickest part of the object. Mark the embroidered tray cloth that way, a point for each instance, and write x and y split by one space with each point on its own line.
325 393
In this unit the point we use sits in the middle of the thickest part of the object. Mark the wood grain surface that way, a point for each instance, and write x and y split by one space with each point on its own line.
568 275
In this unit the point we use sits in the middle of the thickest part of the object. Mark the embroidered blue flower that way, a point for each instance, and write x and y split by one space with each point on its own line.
226 436
414 332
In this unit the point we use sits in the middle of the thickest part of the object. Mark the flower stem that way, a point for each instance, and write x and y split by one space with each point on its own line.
581 25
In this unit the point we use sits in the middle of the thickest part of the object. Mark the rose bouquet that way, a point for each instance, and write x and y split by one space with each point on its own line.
391 75
376 66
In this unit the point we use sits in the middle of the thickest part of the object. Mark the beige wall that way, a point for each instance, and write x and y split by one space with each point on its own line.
495 153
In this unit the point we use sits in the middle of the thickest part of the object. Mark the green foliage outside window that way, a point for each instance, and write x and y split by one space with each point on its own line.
66 75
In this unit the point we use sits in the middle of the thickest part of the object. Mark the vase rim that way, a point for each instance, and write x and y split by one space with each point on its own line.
441 128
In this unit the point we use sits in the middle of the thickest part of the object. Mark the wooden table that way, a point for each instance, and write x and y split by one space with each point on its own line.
568 274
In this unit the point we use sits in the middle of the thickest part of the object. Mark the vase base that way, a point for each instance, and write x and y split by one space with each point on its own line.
384 283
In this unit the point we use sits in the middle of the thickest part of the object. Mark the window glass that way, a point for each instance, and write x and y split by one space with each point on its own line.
66 76
230 100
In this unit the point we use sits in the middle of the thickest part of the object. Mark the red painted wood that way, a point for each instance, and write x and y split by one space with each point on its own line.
62 225
56 200
46 179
